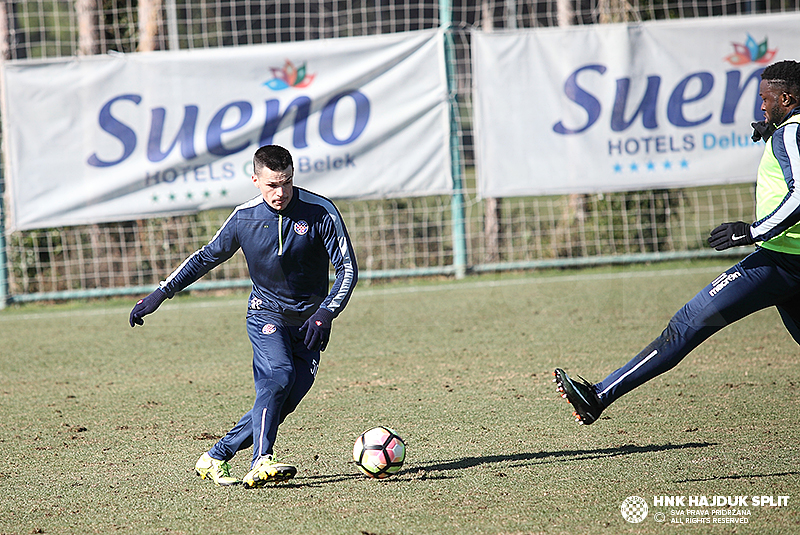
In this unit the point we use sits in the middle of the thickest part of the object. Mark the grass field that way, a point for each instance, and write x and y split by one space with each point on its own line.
101 424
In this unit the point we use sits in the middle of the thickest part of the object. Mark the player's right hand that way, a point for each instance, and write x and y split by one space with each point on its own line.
729 235
146 306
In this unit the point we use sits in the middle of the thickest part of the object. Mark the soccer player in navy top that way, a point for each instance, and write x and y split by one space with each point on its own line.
289 237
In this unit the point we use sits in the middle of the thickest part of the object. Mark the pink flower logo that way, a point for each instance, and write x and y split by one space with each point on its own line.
751 52
289 76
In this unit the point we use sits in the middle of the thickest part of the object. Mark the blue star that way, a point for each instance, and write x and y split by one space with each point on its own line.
685 164
667 165
617 168
634 167
651 166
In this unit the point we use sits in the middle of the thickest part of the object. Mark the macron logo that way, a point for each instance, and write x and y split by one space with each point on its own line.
722 281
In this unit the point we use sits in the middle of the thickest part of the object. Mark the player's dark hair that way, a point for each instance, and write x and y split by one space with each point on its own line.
785 75
272 157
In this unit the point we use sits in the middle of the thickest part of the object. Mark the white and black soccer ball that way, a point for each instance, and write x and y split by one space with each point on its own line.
379 452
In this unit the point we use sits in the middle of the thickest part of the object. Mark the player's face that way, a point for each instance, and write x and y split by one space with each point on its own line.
275 186
776 103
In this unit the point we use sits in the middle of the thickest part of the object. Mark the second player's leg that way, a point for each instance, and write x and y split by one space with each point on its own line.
790 314
751 285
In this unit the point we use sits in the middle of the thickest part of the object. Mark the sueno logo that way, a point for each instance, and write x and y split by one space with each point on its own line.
215 131
690 90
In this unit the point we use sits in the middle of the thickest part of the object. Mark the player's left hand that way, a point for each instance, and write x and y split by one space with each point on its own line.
318 329
730 235
146 306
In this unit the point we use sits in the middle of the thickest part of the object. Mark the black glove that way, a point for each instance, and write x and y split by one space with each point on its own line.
146 306
762 130
318 329
730 235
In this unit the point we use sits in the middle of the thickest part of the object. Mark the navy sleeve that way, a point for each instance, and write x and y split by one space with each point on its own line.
221 247
343 259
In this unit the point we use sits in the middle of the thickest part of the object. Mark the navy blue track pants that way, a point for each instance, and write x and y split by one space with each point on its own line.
283 373
763 279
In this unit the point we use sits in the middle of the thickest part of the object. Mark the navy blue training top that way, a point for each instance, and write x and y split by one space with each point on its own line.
288 254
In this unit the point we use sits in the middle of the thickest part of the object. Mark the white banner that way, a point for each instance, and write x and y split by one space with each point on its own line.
131 136
620 107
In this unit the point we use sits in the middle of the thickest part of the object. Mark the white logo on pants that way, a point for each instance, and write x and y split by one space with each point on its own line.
268 329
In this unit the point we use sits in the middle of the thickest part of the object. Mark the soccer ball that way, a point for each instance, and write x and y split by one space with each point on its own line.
379 452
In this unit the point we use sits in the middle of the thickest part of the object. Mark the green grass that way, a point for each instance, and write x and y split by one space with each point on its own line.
101 424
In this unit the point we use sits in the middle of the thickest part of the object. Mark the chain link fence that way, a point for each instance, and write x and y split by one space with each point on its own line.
398 237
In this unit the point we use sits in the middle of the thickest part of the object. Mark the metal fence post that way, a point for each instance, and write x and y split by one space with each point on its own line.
4 55
3 268
457 201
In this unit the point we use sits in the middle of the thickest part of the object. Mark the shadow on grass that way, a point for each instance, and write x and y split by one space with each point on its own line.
740 476
553 456
543 457
323 479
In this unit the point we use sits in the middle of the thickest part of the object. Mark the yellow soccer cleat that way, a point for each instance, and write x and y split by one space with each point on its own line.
219 471
268 470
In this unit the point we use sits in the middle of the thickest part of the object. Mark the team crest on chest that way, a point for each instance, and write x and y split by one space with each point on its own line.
301 227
